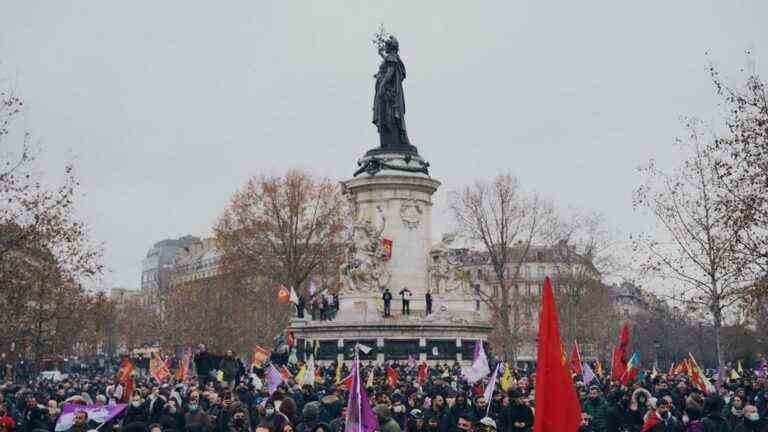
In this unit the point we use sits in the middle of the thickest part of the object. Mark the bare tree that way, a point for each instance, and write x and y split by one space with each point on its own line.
285 229
587 252
506 222
741 153
694 245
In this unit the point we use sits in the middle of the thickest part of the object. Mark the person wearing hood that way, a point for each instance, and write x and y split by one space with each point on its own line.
386 422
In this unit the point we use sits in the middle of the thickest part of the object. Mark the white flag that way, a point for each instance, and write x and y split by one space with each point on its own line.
364 348
293 298
309 374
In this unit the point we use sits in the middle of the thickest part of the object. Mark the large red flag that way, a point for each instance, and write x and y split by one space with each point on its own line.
621 355
557 406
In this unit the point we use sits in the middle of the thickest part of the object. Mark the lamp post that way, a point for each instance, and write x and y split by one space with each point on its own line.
656 347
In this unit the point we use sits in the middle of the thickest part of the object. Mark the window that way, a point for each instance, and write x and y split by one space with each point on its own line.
527 270
541 272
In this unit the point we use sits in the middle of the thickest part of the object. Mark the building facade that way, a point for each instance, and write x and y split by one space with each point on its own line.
157 267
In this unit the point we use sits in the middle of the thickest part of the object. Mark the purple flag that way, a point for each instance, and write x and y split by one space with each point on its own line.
587 374
411 361
274 379
360 416
96 413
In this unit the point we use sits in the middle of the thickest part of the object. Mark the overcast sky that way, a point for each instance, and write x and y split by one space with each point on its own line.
168 106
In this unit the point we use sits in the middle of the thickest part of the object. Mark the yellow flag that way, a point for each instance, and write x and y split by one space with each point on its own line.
300 376
739 369
338 372
734 375
506 379
654 372
220 376
369 382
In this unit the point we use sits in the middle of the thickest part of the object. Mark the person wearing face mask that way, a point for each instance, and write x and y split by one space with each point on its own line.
239 421
735 413
171 417
136 411
398 412
196 418
594 407
751 421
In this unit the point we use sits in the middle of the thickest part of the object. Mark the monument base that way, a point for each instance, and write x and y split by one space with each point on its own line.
437 338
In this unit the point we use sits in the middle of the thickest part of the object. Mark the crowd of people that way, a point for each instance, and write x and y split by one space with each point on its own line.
219 395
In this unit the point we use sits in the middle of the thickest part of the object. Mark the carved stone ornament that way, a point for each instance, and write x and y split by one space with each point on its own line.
410 214
365 267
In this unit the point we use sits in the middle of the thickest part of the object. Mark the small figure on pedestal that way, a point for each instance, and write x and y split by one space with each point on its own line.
300 307
387 298
405 296
428 299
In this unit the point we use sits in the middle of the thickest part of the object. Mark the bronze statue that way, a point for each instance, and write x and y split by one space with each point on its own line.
389 100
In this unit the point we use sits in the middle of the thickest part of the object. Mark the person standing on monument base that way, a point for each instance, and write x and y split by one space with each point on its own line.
428 300
405 296
387 298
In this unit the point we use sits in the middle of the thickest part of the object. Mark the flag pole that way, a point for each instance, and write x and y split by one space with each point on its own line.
359 399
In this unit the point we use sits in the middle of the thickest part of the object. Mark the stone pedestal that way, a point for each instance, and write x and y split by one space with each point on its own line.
394 193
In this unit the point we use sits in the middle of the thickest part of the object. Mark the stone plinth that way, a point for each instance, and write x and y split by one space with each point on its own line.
402 202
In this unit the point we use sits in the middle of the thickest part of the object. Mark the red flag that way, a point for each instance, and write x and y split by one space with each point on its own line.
285 373
620 355
126 369
158 369
392 377
422 376
182 372
576 359
387 245
128 390
346 382
289 339
557 405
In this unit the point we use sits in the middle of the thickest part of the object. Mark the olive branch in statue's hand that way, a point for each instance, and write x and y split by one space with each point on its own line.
380 38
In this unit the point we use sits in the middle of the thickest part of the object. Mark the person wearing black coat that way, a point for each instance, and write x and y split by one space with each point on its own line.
518 417
204 365
136 411
34 417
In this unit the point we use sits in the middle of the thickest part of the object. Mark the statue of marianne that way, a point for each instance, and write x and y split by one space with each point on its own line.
389 100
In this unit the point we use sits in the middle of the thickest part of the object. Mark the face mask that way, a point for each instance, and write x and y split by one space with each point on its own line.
193 408
269 412
136 404
753 416
172 410
277 404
